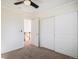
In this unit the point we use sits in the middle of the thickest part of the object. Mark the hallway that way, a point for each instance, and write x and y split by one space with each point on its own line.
27 38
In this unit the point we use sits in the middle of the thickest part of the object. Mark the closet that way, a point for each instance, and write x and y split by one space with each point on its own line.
59 33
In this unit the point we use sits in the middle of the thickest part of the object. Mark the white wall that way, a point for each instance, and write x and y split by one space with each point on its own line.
66 34
59 10
27 25
11 26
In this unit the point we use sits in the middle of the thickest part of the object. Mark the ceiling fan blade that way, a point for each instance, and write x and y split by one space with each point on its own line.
16 3
34 5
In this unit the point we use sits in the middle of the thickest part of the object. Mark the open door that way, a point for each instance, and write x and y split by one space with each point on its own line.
35 32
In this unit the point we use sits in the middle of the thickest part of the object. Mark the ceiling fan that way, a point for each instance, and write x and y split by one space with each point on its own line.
27 2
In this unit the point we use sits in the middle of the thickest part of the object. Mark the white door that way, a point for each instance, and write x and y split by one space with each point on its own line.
47 33
66 34
35 32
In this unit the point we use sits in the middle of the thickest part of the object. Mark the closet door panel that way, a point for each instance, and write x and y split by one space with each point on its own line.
66 34
47 33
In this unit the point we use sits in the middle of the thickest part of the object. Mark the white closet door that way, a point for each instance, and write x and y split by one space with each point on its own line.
66 34
47 33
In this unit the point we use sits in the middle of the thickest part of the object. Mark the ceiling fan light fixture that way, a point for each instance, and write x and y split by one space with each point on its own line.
27 2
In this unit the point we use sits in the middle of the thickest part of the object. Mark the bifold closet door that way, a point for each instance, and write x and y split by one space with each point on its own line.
47 33
66 34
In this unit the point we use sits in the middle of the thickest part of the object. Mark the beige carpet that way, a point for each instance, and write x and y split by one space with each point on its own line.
34 53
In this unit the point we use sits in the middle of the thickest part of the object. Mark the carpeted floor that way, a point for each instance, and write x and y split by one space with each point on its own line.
34 53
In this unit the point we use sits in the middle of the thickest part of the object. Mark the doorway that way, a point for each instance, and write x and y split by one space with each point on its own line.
27 32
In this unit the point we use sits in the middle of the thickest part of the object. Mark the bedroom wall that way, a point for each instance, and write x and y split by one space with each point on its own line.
27 25
12 23
59 10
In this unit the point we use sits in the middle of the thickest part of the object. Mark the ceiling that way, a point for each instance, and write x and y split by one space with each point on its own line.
43 5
